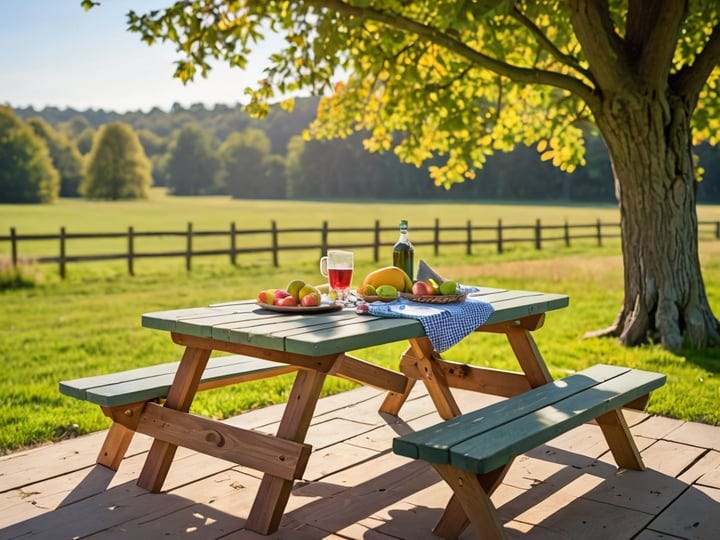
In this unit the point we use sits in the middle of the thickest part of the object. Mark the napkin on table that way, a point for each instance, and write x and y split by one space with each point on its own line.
444 324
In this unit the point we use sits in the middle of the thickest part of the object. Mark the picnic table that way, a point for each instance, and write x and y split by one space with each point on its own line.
314 346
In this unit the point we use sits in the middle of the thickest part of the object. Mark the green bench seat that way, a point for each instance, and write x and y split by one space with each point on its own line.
485 441
124 395
153 382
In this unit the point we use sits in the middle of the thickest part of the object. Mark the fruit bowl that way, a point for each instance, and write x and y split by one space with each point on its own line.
435 298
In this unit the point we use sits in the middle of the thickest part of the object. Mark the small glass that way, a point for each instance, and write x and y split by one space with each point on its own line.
337 266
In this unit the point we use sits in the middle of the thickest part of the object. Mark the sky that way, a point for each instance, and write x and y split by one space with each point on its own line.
54 53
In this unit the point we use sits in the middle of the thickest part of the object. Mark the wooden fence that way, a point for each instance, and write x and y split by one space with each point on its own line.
499 235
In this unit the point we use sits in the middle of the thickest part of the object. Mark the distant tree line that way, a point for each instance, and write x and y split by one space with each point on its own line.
223 151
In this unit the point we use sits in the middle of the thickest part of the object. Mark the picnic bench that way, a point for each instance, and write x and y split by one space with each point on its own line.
266 343
472 452
124 395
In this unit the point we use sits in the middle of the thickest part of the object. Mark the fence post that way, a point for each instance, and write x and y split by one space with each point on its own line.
436 240
538 234
131 251
598 226
233 244
324 239
499 236
567 233
717 230
274 235
376 242
61 259
13 245
468 248
188 247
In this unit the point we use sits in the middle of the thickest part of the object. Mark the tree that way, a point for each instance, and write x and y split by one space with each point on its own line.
463 79
27 174
193 164
117 167
249 170
64 154
74 126
84 140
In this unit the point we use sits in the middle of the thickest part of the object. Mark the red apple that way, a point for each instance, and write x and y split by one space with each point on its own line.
287 301
310 300
281 293
423 288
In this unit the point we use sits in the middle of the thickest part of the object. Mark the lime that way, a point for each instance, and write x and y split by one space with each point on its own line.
448 287
386 291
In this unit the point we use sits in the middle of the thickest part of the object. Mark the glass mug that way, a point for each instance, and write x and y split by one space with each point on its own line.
338 268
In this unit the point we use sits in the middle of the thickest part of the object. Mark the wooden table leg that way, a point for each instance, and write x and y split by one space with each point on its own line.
434 378
528 355
395 400
180 397
274 492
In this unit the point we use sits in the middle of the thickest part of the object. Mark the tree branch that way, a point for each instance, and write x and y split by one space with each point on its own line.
515 73
652 28
602 46
566 59
690 79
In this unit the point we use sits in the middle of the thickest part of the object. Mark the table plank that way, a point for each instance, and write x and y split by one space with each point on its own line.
243 322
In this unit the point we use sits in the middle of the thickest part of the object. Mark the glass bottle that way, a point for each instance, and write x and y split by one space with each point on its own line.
404 252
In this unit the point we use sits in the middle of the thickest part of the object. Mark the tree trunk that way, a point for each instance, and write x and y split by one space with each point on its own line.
650 148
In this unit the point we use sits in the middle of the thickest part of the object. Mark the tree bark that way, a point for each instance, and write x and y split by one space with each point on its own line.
649 141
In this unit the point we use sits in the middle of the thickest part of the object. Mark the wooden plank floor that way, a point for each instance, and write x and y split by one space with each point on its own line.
355 487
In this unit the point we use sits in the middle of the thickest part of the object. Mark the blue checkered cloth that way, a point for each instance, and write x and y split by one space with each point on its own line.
444 324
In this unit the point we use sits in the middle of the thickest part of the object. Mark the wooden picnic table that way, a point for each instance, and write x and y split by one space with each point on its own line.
318 345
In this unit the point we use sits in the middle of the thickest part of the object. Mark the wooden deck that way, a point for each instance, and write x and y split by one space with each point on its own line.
355 487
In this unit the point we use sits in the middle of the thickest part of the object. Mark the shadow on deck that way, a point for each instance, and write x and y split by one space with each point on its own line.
355 487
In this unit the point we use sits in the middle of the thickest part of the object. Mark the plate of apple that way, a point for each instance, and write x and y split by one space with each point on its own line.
297 297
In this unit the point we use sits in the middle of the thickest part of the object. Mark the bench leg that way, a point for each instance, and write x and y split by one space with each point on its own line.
274 492
454 521
115 446
470 502
180 398
620 440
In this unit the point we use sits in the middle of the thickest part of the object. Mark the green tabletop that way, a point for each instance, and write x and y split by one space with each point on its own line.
327 333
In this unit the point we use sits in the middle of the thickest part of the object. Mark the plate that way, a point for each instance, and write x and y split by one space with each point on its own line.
435 298
322 308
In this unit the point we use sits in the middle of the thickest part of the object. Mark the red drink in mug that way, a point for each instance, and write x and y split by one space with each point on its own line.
338 268
340 278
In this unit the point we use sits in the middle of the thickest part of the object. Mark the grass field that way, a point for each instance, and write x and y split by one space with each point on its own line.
90 322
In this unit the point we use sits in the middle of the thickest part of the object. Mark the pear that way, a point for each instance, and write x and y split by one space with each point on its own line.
294 288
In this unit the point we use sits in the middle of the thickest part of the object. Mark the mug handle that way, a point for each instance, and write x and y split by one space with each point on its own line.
323 266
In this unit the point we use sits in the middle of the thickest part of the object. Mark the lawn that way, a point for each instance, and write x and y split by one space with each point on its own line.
90 322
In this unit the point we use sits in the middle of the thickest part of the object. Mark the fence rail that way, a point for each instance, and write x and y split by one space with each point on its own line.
469 235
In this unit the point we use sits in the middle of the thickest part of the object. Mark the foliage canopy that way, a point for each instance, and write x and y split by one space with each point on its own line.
117 167
462 79
27 174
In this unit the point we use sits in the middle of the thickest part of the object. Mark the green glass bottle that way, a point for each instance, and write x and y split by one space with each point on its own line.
404 252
